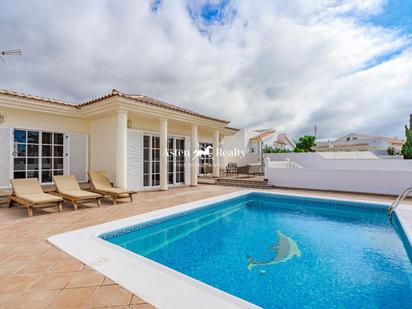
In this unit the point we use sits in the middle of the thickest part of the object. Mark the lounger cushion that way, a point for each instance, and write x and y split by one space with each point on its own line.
22 187
112 190
101 183
100 180
80 194
40 198
66 183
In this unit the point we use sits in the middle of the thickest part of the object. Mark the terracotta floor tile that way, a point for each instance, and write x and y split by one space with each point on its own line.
111 295
52 281
142 306
74 298
86 278
6 298
35 300
17 283
108 281
54 254
67 265
8 268
137 300
38 266
26 252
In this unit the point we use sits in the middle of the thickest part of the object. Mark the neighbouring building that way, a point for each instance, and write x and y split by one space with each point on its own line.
360 142
142 143
252 142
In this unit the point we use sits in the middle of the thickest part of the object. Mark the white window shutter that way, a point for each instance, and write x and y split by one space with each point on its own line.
188 160
134 159
5 157
78 155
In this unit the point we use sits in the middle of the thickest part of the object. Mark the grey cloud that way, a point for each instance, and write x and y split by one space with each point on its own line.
293 65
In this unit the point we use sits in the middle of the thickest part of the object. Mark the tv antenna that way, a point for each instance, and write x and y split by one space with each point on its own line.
12 52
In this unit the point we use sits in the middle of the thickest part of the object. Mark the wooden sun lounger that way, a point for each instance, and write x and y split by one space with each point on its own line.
101 184
28 193
68 188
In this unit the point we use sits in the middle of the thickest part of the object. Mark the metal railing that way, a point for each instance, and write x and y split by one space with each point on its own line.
398 200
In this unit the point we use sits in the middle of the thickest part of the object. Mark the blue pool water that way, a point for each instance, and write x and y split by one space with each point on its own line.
284 252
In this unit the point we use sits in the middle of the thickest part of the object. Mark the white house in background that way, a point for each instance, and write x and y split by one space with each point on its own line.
360 142
251 142
142 143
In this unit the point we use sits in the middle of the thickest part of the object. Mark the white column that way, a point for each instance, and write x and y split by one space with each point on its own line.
163 154
121 150
216 166
194 162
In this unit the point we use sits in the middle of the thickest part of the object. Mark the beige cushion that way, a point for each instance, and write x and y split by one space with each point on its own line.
40 198
100 180
80 194
66 183
102 183
26 186
115 191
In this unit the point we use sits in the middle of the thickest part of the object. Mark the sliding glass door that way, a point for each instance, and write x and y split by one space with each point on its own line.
205 160
151 160
38 154
176 161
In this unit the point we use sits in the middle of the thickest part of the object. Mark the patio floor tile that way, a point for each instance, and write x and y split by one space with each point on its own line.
108 281
142 306
37 266
34 300
74 298
137 300
6 298
66 266
17 283
86 278
111 295
53 281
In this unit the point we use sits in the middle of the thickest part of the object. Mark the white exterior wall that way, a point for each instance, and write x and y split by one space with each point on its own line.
241 141
315 160
43 122
349 180
103 145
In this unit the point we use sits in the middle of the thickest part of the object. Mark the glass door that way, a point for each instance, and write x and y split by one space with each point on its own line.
180 160
204 160
38 155
26 154
151 160
176 161
52 155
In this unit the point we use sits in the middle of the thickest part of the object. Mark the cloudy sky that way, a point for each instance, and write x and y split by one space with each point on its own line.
344 65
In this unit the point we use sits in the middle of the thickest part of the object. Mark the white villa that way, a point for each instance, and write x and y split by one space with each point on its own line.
360 142
128 136
251 142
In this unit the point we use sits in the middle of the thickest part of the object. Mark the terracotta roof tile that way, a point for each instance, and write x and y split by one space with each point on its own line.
137 98
151 101
37 98
263 135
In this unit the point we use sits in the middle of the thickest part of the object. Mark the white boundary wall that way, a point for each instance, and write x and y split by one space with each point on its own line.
349 180
314 160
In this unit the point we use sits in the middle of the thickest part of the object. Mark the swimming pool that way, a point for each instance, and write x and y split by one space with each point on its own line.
283 244
282 251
